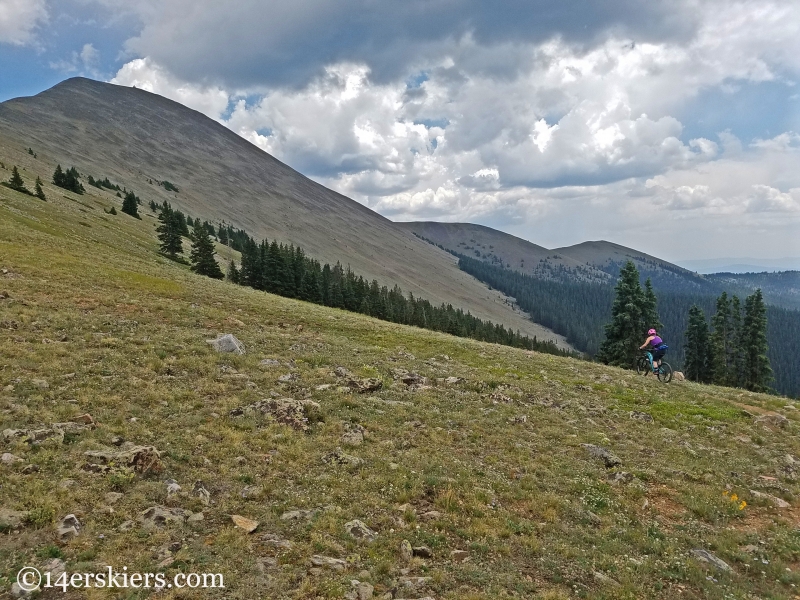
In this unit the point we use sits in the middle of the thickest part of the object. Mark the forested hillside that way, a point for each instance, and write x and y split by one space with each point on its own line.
580 311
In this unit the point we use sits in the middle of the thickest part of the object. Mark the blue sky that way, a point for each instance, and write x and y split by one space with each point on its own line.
668 126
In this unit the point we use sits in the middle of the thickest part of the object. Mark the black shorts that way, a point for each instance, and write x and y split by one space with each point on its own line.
658 354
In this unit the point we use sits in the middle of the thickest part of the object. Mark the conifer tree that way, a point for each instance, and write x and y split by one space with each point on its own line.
757 370
737 354
625 332
38 191
697 352
649 308
16 182
168 232
130 206
721 346
233 273
58 177
202 253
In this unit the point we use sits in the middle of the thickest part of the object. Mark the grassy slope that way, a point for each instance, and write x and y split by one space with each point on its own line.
538 516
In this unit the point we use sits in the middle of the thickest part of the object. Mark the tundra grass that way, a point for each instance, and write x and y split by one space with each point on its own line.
97 322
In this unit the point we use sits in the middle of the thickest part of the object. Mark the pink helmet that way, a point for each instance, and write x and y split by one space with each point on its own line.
651 332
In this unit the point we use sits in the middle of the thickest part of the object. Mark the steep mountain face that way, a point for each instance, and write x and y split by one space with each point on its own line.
137 139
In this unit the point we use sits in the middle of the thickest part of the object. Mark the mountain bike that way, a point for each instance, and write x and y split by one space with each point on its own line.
644 366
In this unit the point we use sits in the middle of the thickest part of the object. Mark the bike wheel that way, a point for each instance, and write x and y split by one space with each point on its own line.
642 365
665 373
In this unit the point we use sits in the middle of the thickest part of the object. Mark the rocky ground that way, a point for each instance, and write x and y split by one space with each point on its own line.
315 453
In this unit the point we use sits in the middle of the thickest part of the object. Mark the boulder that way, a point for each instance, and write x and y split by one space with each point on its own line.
199 491
773 419
365 386
336 564
337 457
68 528
422 552
157 517
353 434
707 557
678 376
601 453
9 459
359 590
406 551
11 519
249 525
641 416
774 500
359 531
291 412
227 343
142 459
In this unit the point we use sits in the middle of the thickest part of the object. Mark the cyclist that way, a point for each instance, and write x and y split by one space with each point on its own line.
657 349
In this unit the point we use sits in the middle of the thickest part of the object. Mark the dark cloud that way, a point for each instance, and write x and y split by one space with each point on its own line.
252 43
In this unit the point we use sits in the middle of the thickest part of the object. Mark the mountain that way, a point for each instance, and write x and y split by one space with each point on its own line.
743 265
138 139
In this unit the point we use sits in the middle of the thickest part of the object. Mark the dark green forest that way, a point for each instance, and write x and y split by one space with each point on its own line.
579 311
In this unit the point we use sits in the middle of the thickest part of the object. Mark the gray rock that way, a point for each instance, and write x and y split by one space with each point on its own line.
160 516
9 435
353 435
55 566
195 517
358 530
270 362
337 457
9 459
342 372
142 459
37 437
706 556
29 469
359 590
270 539
601 453
40 384
68 528
113 497
288 411
11 519
777 502
641 416
199 491
227 343
173 489
365 386
406 551
288 377
336 564
773 419
17 591
296 515
604 579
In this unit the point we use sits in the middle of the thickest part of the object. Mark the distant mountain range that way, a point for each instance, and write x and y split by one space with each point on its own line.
743 265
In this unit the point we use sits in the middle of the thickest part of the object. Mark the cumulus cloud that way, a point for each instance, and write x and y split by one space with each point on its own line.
19 20
145 74
767 198
84 62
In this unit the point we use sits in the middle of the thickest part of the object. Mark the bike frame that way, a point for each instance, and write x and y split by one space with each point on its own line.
650 360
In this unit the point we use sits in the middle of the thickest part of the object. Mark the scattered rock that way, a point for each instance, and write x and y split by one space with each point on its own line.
173 489
288 411
498 398
227 343
126 525
296 515
199 491
37 437
10 459
270 539
518 420
270 362
251 492
777 502
622 477
459 555
337 457
55 567
68 528
431 515
288 377
453 380
604 579
40 384
423 552
359 591
678 376
706 556
358 530
160 516
641 416
336 564
85 418
365 386
608 459
29 469
195 517
17 591
244 523
353 434
9 435
142 459
117 440
113 497
774 419
11 519
65 484
406 551
342 372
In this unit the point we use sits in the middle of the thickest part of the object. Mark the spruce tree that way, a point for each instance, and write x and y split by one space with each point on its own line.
38 191
130 206
16 182
649 308
625 332
58 177
202 254
721 339
233 273
697 352
168 232
737 354
757 370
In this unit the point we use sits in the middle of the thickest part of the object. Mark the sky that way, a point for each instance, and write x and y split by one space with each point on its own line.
670 126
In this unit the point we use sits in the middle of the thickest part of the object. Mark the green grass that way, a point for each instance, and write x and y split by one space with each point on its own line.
537 514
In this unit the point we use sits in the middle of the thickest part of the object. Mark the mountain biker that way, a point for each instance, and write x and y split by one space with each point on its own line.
657 349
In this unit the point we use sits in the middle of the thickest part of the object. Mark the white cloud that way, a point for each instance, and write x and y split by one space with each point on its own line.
146 75
85 62
19 20
767 198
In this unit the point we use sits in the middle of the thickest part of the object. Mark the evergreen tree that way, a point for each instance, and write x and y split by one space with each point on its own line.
757 370
113 211
16 182
58 177
737 353
69 180
650 309
38 191
721 346
130 206
233 273
624 334
202 254
697 352
168 232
